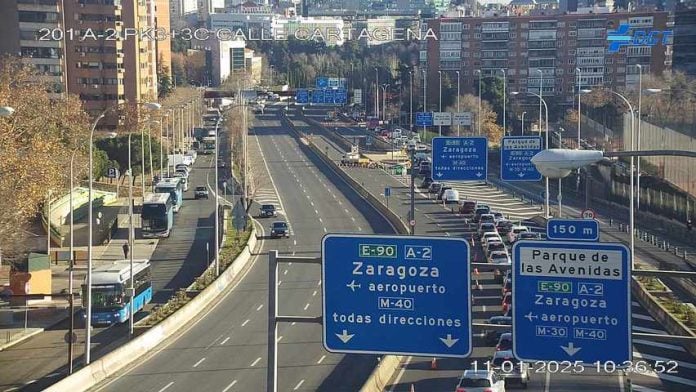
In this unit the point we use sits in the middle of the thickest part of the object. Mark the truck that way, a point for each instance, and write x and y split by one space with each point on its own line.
353 158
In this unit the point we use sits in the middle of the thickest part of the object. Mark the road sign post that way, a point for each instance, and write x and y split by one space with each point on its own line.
460 158
516 154
572 302
396 295
588 214
572 230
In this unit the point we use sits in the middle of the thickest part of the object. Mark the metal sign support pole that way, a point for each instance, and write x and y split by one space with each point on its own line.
274 319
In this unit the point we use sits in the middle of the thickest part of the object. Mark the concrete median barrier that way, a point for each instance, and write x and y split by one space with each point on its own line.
119 359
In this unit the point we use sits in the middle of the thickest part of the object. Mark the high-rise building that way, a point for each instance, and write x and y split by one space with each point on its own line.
684 49
164 42
542 51
31 29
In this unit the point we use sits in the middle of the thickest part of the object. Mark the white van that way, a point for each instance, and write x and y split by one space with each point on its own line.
450 196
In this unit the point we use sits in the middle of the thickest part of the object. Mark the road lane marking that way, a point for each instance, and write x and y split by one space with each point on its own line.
321 220
346 210
648 330
294 242
279 339
306 306
687 365
642 317
325 231
640 388
321 359
293 323
225 341
547 381
319 282
259 307
622 387
298 385
255 362
314 294
280 282
316 212
245 322
285 272
659 345
200 361
165 387
227 388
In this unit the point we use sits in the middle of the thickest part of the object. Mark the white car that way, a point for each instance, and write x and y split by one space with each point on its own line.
480 381
490 237
450 196
487 218
499 257
514 231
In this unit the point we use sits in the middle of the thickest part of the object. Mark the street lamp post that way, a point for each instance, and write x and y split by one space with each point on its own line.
458 100
377 93
504 102
439 127
546 108
631 218
523 113
384 102
479 104
425 98
410 110
131 241
541 94
640 120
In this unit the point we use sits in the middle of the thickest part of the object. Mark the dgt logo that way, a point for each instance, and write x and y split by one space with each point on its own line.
621 37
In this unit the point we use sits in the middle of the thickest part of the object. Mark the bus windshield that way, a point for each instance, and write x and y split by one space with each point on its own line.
171 191
107 296
154 216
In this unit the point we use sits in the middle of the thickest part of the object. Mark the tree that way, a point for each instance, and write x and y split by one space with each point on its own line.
489 127
165 82
37 142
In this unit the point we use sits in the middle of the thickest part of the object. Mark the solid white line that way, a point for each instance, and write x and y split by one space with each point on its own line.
11 389
255 362
306 306
622 388
298 385
163 389
321 359
245 322
225 341
259 307
547 382
659 345
640 388
227 388
199 362
401 373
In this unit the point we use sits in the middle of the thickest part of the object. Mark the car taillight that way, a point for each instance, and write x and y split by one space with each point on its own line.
487 390
460 389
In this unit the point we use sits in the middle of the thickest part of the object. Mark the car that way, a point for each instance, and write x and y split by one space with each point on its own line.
421 147
492 336
467 207
497 216
514 231
221 164
528 236
503 226
424 168
267 211
505 342
512 370
280 229
507 300
183 179
492 236
435 187
486 228
487 218
494 246
201 192
182 166
442 190
499 257
450 196
480 210
480 381
425 184
507 288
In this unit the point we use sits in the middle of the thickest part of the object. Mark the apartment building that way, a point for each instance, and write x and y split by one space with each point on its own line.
684 58
21 24
542 52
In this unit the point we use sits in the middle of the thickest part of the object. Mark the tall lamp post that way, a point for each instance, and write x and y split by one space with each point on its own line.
410 110
478 120
425 99
631 217
541 93
439 127
458 99
504 101
384 102
546 108
523 113
377 93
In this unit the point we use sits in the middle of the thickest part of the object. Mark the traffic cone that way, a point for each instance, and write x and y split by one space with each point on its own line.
433 364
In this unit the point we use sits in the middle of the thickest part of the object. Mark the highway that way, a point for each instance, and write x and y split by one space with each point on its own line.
225 349
434 219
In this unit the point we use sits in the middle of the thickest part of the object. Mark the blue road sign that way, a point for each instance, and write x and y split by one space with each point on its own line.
387 191
329 95
322 82
112 172
516 154
341 96
572 302
424 119
318 96
460 158
302 95
396 295
572 230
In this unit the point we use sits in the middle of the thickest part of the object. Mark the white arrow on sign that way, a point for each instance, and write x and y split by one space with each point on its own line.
479 174
345 336
439 174
521 174
449 342
570 350
352 285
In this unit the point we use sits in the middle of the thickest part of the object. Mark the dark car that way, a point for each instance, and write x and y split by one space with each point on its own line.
435 187
527 236
480 210
492 336
505 342
426 183
267 211
503 226
280 229
200 192
467 208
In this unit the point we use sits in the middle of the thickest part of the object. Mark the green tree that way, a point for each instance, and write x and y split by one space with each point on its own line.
164 81
116 150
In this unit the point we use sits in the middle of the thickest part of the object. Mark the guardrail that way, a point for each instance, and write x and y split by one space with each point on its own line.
111 363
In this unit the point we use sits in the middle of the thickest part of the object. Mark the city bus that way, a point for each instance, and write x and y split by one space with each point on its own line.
110 284
157 215
208 145
174 188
